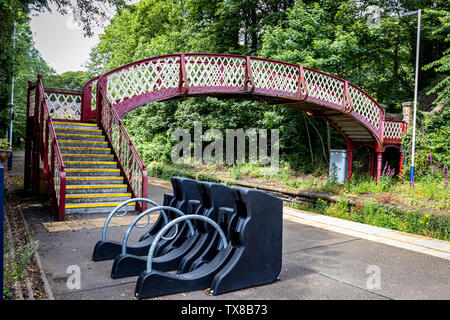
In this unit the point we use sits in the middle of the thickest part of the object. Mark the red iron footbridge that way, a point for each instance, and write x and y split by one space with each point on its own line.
89 163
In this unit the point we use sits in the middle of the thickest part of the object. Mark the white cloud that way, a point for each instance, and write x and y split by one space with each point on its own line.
71 24
60 40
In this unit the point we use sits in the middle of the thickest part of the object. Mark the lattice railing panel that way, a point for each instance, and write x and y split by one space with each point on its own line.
324 87
215 71
64 105
365 107
393 130
275 76
94 95
129 159
146 80
32 102
145 77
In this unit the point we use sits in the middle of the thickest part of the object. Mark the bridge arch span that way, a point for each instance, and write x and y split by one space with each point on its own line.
106 98
354 113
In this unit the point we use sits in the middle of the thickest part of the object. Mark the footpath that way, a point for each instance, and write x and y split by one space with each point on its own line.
324 258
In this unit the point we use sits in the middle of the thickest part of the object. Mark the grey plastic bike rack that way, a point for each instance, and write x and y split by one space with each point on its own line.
126 264
108 249
152 283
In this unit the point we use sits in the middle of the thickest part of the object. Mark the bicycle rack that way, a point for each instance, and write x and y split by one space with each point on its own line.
233 242
187 199
256 233
108 249
153 283
126 265
221 200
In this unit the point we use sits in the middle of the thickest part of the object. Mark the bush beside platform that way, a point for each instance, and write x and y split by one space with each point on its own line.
429 224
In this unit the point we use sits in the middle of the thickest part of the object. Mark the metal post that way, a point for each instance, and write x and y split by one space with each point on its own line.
12 104
416 80
2 216
372 162
400 167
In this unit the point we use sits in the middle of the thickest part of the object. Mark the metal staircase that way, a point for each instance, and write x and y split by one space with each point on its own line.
94 183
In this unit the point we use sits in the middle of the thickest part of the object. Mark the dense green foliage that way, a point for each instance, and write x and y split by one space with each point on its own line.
27 63
23 61
432 138
332 36
417 222
442 65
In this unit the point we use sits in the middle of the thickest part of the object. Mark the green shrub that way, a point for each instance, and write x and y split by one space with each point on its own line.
416 222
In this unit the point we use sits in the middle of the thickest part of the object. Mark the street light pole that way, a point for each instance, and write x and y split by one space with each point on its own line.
12 104
416 81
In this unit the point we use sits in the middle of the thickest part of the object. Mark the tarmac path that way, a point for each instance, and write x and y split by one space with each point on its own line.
318 263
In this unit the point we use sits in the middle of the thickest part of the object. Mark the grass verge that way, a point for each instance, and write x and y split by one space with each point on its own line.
376 212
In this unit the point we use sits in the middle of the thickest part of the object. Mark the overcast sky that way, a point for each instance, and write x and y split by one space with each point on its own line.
61 42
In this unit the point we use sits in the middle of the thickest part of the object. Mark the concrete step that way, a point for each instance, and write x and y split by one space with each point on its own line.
93 183
99 188
78 130
75 125
89 172
94 180
82 144
97 197
85 150
79 136
99 207
91 164
86 157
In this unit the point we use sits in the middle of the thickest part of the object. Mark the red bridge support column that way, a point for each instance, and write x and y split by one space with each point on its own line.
400 166
379 164
350 150
372 164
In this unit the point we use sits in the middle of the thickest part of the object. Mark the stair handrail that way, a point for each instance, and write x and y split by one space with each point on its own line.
108 119
47 141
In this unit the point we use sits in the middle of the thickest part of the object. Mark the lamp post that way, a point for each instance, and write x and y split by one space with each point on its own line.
11 118
416 80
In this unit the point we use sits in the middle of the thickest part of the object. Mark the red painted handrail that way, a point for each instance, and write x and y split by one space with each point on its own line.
89 100
394 137
47 140
108 120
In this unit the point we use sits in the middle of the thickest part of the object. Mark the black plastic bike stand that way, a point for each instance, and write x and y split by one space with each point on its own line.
152 283
222 202
107 249
257 238
157 283
188 199
129 265
168 257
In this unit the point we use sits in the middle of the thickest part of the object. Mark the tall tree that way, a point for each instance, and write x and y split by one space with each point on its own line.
16 11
